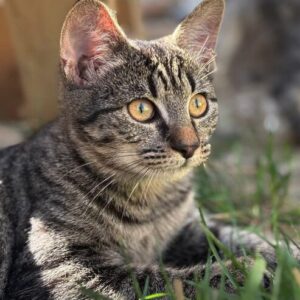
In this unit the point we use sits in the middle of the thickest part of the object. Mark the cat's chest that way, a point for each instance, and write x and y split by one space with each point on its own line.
145 243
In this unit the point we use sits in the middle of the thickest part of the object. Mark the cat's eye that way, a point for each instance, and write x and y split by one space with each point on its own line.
142 110
198 106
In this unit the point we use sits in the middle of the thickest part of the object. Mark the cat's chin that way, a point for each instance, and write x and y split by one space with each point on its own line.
172 175
181 170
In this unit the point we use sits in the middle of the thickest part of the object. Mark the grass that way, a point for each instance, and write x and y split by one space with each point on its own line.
255 197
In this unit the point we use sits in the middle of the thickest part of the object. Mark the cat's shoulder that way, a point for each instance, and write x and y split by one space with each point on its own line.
17 154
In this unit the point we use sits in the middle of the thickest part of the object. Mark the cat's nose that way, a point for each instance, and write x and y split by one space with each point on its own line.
187 151
185 141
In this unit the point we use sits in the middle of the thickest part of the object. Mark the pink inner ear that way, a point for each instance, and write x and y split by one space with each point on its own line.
201 36
97 40
88 35
105 22
85 37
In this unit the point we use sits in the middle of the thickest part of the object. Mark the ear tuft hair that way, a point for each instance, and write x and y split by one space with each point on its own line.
198 33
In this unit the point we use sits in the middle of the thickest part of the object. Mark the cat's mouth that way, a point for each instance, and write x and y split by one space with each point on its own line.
199 159
177 162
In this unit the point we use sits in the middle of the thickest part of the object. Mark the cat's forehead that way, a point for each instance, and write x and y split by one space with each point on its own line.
160 51
170 69
165 57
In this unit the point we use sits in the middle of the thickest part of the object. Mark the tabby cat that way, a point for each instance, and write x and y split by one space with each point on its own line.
104 193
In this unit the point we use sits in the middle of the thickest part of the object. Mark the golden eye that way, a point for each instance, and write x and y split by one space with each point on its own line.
141 110
198 106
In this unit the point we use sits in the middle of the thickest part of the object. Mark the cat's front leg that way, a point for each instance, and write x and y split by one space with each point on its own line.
163 280
191 246
121 281
68 275
242 241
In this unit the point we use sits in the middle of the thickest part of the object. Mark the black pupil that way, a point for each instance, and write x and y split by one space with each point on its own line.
141 108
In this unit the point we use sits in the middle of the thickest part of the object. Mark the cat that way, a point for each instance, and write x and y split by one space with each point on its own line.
105 191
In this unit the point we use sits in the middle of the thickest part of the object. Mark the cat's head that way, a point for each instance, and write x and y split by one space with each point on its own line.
136 106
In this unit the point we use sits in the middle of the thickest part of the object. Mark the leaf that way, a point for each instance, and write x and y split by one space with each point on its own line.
254 280
155 296
296 274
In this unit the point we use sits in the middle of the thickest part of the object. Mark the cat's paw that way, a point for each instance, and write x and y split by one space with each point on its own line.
238 275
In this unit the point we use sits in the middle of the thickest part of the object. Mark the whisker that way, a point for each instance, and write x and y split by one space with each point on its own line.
102 191
99 184
129 166
128 155
203 46
111 199
127 201
132 192
75 169
148 185
210 73
213 58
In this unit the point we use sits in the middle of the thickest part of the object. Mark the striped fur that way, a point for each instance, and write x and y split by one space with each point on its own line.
96 197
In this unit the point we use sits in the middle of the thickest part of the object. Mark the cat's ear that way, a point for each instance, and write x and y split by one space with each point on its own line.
198 33
89 35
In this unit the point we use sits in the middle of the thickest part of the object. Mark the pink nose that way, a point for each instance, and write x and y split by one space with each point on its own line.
185 141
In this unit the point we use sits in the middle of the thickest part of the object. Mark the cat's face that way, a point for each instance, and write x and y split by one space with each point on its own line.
140 107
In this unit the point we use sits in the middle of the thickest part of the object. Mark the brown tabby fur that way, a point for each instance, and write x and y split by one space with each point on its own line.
96 197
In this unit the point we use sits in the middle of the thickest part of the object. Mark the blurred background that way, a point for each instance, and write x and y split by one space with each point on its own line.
255 165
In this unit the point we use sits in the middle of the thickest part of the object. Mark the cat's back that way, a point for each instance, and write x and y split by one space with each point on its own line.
16 161
9 172
12 162
7 216
16 179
